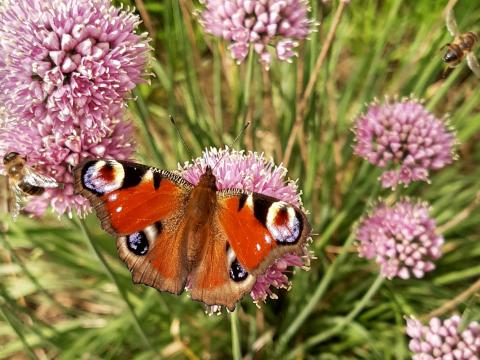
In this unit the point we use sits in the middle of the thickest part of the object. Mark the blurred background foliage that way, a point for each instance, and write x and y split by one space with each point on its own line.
63 296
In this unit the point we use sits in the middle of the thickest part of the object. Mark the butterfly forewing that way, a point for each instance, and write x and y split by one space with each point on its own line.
261 228
127 196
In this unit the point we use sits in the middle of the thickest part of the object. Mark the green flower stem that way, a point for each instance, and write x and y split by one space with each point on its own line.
114 279
34 324
144 115
315 298
246 90
19 333
344 322
236 351
31 277
217 89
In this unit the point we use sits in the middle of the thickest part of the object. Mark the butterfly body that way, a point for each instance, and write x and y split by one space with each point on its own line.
200 210
174 235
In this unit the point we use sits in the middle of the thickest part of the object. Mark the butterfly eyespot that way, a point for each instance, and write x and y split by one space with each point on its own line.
102 176
137 243
284 223
237 272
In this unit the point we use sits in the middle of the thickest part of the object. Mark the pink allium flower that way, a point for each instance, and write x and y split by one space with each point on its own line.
443 340
260 24
69 63
250 171
67 67
54 155
404 138
401 239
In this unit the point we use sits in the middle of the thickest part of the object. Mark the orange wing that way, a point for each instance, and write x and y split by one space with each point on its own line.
127 196
260 228
154 256
248 233
143 207
146 209
215 280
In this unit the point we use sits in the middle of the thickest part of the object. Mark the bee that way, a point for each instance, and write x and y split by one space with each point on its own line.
461 47
23 181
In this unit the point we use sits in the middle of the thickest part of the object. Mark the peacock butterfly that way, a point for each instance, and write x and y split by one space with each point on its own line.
172 234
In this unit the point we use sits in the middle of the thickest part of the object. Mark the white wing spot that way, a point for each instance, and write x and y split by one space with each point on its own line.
148 176
249 201
258 247
112 197
268 239
119 209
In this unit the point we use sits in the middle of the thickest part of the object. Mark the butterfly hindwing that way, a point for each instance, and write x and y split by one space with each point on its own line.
154 256
217 280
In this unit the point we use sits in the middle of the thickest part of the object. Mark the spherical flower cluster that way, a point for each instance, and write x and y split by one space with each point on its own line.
258 24
404 138
69 63
251 172
443 339
67 67
402 239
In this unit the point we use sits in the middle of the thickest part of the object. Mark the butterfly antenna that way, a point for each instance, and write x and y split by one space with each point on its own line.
247 124
172 120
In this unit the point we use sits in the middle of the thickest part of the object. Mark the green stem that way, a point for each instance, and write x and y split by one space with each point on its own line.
144 115
217 90
315 298
37 326
114 279
246 90
344 322
33 279
15 328
236 351
331 228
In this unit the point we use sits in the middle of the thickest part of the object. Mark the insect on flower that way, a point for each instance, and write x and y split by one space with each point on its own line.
461 47
215 229
23 181
67 68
